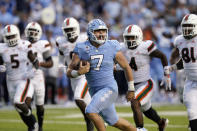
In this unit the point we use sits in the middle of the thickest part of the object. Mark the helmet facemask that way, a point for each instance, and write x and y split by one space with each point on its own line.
132 41
32 35
11 40
188 31
71 34
101 38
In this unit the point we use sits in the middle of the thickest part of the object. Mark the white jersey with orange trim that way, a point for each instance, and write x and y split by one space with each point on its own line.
78 84
39 48
188 50
16 60
18 71
139 60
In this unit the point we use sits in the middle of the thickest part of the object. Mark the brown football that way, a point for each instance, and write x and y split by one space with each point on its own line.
84 62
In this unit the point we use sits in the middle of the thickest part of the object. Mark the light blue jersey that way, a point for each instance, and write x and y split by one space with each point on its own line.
101 61
102 85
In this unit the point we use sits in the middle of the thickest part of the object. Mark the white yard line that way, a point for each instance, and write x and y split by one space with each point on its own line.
123 114
83 123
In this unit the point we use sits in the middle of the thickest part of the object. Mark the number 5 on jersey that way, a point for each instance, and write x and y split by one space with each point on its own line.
14 61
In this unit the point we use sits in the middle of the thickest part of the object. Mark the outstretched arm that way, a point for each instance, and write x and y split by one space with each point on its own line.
174 55
135 104
158 54
176 65
166 79
128 73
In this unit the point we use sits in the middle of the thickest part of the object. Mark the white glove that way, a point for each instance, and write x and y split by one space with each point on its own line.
171 67
62 68
2 68
166 79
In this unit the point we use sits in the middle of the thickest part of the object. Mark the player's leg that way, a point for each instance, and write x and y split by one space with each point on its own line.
124 125
101 100
153 115
97 120
143 94
189 99
24 91
40 115
82 98
137 113
82 105
39 98
110 116
26 115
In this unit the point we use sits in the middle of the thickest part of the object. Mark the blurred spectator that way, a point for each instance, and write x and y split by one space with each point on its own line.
63 85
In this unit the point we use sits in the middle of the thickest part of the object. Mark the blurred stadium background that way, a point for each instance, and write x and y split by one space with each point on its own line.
159 19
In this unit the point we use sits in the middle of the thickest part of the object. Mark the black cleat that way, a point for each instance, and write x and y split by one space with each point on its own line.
163 124
90 126
35 127
40 129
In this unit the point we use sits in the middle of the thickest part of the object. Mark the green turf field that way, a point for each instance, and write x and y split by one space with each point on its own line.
70 119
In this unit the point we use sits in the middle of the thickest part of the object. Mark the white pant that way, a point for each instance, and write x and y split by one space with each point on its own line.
19 90
144 92
80 89
38 83
190 98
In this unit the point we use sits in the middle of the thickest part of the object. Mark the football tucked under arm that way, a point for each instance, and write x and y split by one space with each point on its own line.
76 67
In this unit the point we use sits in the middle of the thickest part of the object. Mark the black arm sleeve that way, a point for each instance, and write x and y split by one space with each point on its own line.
1 60
61 53
48 58
158 54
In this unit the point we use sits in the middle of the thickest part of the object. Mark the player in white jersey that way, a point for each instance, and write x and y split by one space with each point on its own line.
66 44
186 46
42 49
139 53
15 53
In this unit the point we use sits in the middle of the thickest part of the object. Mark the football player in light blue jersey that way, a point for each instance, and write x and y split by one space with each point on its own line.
95 58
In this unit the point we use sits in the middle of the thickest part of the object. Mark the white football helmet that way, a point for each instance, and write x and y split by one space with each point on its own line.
135 32
33 31
189 26
11 35
70 28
